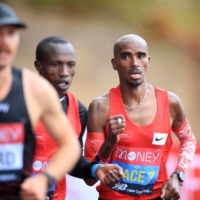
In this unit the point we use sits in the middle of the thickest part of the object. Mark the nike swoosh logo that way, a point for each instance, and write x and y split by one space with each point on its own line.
158 139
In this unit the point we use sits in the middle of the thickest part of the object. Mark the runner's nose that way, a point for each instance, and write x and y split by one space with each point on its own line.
134 62
64 71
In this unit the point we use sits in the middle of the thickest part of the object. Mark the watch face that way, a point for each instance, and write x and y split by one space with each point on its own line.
182 176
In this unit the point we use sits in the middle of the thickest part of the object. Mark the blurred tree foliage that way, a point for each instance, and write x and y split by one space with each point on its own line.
167 19
185 12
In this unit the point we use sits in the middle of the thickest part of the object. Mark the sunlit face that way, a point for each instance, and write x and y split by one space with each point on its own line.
131 61
9 42
58 66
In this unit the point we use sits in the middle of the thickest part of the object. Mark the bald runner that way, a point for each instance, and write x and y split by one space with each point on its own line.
133 123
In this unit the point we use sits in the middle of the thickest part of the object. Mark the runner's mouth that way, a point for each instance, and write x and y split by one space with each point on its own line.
4 53
135 76
63 84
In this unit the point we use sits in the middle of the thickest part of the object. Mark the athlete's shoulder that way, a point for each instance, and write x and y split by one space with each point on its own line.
98 113
176 107
101 103
173 98
160 90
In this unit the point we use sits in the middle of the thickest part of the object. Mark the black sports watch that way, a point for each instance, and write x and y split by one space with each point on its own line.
180 174
51 180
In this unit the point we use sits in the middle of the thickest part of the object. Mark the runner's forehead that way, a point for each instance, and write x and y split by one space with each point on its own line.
66 48
130 44
60 50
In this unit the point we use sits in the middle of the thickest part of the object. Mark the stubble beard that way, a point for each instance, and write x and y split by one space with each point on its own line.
135 83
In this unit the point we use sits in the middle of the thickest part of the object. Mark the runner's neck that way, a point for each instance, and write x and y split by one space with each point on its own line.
132 96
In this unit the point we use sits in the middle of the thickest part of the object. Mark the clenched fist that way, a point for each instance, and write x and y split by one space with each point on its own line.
116 127
34 188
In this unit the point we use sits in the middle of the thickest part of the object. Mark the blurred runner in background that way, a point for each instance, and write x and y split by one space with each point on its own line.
26 98
56 62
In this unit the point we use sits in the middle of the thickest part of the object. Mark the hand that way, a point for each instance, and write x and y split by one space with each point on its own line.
109 174
115 128
170 190
34 188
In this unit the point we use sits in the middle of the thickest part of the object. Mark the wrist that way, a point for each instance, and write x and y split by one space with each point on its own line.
94 170
110 142
50 181
176 176
101 160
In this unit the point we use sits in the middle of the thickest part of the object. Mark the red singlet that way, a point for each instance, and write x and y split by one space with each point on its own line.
46 147
142 152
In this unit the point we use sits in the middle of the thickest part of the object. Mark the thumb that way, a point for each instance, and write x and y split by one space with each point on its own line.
163 190
119 170
25 185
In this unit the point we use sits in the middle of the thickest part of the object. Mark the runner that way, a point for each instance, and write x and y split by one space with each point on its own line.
56 61
26 98
135 121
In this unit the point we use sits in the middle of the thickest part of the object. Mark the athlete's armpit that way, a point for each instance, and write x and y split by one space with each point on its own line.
187 145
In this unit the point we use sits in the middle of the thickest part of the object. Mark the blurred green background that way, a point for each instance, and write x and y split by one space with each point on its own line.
171 29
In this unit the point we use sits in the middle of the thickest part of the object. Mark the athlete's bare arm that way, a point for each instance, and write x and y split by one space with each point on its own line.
97 119
177 112
98 109
182 130
43 104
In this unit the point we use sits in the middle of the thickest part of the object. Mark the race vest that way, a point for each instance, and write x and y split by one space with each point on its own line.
142 152
141 168
17 140
46 148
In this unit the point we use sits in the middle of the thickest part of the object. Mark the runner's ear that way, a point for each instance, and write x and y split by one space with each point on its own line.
113 61
38 66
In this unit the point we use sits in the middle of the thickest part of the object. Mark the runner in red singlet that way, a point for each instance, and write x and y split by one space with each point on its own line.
26 98
135 122
56 61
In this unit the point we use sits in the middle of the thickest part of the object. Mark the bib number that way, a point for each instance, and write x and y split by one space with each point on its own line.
11 150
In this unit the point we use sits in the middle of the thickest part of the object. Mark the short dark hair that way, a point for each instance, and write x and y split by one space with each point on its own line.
45 42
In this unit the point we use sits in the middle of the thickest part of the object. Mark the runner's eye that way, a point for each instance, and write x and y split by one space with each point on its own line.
55 64
125 57
71 64
141 55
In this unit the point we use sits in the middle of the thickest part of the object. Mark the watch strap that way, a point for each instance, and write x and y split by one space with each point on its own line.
178 172
51 180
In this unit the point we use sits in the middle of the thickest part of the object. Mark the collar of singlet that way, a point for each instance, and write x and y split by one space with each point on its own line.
62 98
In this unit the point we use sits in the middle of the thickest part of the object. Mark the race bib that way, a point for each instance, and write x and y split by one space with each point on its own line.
11 150
141 169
